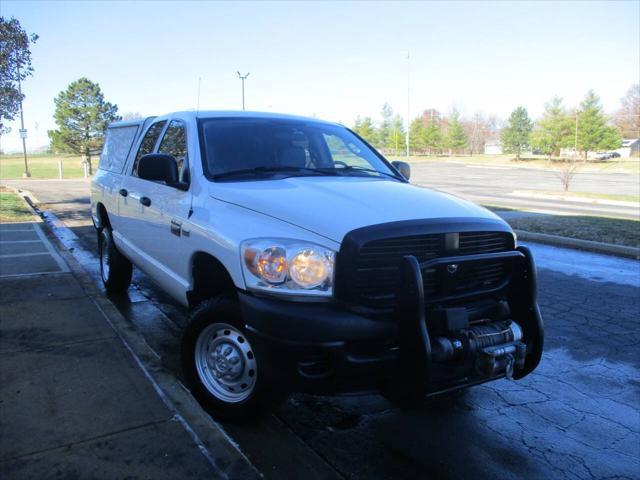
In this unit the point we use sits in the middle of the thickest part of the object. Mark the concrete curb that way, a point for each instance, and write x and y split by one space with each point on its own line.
587 200
575 243
29 197
209 437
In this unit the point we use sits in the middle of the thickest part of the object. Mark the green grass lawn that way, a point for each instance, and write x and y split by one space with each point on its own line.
13 208
42 166
595 196
599 229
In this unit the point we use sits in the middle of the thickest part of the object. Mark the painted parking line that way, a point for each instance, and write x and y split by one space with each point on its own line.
61 263
25 257
11 242
17 255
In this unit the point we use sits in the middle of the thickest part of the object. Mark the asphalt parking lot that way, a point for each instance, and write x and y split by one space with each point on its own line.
576 417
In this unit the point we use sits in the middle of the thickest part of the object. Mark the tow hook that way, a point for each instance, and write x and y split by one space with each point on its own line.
508 369
491 360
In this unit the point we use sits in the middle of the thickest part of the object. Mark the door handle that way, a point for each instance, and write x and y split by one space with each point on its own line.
176 227
146 201
123 192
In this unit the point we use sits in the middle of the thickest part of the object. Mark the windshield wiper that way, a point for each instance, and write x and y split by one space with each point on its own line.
354 168
272 170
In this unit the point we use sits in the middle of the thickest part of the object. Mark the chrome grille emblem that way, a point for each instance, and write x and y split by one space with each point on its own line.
452 268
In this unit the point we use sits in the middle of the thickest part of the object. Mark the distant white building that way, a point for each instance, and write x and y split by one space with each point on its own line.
493 148
630 146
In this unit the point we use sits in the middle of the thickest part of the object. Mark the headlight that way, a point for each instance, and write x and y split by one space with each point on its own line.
287 267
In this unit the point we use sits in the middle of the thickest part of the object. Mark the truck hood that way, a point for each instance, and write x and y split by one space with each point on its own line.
333 206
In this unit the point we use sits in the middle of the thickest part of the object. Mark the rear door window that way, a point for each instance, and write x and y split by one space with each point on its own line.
117 145
148 143
174 143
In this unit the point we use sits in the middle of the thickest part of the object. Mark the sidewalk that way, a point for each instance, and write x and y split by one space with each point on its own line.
75 402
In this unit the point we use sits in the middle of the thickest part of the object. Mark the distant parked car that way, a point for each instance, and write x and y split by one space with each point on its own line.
614 155
602 155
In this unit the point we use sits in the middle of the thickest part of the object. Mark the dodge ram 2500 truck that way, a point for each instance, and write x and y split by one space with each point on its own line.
309 261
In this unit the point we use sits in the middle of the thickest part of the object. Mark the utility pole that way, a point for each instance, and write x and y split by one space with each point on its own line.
408 120
23 132
243 78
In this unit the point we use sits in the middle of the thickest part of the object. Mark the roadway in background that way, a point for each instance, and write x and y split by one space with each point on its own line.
488 185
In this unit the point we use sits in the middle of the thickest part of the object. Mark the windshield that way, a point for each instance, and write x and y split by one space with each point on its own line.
243 148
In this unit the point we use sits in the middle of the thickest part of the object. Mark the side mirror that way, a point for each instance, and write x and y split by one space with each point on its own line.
158 167
403 167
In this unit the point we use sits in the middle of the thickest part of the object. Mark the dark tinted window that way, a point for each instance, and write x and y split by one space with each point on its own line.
239 144
148 142
174 143
116 148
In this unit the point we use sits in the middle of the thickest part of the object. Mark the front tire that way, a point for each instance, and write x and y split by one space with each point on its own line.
220 366
115 269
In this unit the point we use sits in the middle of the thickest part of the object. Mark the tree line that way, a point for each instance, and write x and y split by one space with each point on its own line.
585 129
81 112
82 115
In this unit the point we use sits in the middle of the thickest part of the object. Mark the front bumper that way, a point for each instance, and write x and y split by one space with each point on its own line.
319 347
327 348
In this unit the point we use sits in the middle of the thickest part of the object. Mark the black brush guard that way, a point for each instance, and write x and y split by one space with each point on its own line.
415 359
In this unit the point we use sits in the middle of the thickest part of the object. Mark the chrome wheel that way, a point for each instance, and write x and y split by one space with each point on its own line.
104 255
225 363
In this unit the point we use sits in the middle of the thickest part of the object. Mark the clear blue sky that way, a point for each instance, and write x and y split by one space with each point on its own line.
333 60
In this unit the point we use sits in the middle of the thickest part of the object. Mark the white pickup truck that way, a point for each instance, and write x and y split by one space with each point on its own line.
310 262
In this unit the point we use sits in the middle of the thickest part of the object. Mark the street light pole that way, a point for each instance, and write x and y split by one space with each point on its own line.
408 120
23 132
243 78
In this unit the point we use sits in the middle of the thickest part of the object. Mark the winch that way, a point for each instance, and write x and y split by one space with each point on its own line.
493 347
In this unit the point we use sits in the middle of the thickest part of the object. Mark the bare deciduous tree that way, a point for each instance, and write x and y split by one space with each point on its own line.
479 130
627 119
566 170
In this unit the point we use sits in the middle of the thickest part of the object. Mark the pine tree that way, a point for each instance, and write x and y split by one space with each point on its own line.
433 137
555 129
365 128
15 66
82 116
417 135
456 138
515 136
593 132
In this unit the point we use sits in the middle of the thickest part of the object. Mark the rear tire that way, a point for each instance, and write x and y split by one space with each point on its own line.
115 269
220 366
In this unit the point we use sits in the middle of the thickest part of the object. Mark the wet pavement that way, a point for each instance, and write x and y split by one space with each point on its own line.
576 416
24 251
75 400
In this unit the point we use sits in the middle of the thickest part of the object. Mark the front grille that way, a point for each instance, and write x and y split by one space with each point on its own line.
377 265
484 242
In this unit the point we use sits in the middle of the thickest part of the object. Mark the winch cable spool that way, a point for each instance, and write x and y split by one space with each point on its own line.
495 345
489 335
